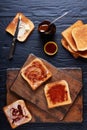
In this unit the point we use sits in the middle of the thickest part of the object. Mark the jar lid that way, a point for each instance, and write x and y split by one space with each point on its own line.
50 48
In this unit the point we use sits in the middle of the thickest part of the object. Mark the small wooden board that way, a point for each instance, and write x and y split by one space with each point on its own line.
75 113
37 98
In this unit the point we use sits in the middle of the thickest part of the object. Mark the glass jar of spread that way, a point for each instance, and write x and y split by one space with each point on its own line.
46 29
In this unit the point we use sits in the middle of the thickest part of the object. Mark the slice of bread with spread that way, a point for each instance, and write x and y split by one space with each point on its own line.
35 73
26 26
17 113
57 94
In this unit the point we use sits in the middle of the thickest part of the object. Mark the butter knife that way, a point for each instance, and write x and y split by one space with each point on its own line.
13 45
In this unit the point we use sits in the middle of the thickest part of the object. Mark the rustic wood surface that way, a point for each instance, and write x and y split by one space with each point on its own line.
37 11
74 114
22 88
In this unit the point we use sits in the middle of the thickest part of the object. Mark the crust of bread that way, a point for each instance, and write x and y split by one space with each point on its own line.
67 47
80 36
75 54
57 104
35 85
26 114
12 27
67 34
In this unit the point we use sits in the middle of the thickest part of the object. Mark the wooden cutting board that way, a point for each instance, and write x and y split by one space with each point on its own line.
21 88
75 113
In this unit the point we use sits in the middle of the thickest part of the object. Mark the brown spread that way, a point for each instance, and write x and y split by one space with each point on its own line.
50 48
57 94
17 113
43 28
35 72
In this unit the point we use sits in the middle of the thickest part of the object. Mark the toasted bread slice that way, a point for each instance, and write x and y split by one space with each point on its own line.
76 54
26 26
36 73
17 113
80 36
57 94
67 34
83 54
67 47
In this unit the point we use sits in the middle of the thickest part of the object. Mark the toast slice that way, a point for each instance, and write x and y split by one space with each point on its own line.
35 73
75 54
57 94
17 113
26 26
67 47
80 36
67 34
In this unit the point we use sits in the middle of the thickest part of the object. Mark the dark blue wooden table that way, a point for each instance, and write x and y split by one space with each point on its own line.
37 11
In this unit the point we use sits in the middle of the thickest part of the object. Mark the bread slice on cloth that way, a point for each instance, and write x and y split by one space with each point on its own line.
80 37
36 73
17 113
57 94
26 26
67 34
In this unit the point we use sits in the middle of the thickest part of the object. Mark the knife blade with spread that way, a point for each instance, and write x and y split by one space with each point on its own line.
13 45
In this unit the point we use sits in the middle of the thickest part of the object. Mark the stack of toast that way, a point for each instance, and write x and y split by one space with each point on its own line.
75 39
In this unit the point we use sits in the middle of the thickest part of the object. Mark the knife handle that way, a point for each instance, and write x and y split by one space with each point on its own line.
12 49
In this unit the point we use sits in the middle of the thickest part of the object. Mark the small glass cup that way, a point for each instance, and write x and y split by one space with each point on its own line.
46 29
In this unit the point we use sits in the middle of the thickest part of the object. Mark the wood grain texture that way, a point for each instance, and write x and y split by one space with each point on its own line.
21 88
75 114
